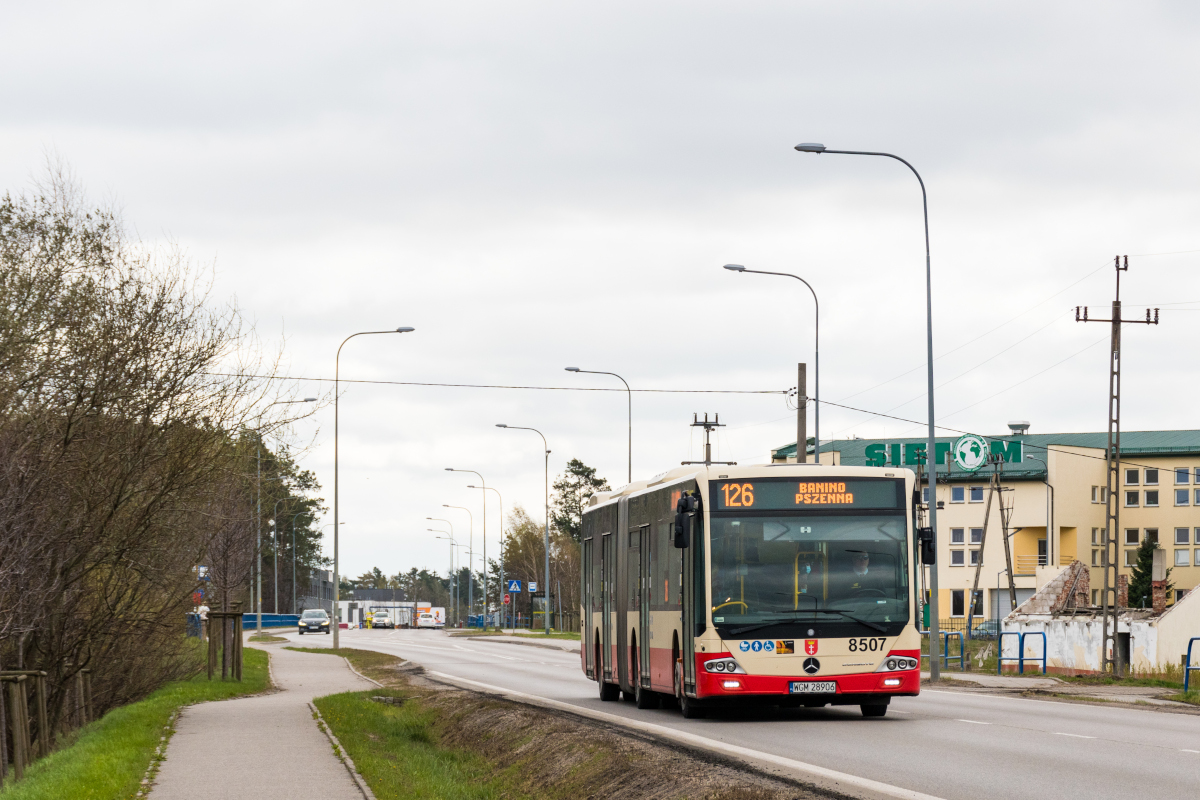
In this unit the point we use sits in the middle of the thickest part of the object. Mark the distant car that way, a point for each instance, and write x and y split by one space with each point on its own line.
314 620
381 619
426 620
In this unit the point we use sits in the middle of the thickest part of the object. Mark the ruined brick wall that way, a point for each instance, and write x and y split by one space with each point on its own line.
1122 591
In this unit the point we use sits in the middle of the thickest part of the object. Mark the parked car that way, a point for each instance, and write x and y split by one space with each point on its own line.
381 619
426 620
314 620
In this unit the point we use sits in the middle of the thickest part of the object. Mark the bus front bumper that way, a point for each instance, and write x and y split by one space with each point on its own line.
851 687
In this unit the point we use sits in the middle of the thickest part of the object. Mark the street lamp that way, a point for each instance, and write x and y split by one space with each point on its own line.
453 571
931 452
629 397
546 615
816 363
471 557
485 580
336 377
501 499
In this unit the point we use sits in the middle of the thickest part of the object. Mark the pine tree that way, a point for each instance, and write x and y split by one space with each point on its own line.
571 490
1141 576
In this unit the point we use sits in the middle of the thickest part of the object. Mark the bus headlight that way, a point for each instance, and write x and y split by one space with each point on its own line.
894 663
725 665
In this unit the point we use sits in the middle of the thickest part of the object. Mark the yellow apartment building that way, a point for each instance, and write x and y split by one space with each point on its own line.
1053 487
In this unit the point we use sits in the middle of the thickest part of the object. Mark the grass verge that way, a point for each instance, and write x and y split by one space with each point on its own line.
435 742
1192 697
570 635
376 666
266 638
107 759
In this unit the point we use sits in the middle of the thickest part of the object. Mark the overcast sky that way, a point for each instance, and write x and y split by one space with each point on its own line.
540 185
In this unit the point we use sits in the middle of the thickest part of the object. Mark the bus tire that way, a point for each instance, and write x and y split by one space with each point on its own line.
874 710
609 692
688 707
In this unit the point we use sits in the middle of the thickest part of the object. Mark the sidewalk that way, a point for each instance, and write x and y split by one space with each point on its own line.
264 747
568 645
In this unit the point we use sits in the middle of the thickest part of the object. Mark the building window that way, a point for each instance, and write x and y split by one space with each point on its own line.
1181 536
956 558
1131 499
977 606
1181 497
1196 500
957 602
1095 536
1152 477
1095 597
925 494
956 536
1095 558
974 558
1181 558
1197 474
976 535
1131 477
957 494
1198 558
976 494
1151 498
1197 539
1132 536
1130 560
1183 475
1095 494
1152 534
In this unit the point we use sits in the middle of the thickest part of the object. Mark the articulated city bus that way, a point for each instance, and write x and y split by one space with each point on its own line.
783 584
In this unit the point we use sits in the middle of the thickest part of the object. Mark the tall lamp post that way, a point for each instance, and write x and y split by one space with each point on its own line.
816 362
931 451
629 398
453 544
470 558
337 362
485 580
546 615
501 499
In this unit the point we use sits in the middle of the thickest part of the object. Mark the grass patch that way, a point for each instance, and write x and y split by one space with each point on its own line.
570 635
376 666
1192 697
266 638
396 750
1106 680
107 759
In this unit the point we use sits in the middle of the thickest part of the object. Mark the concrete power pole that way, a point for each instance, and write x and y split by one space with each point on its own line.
1110 653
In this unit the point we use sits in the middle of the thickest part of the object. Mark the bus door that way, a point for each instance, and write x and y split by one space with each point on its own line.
621 606
643 584
688 597
588 607
608 564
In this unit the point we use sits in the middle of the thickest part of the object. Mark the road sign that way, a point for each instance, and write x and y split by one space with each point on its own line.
533 586
515 586
506 599
537 594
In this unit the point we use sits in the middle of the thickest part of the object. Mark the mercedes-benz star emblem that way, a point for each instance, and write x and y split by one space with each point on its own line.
812 666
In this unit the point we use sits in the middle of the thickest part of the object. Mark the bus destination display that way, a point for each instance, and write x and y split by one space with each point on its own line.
778 495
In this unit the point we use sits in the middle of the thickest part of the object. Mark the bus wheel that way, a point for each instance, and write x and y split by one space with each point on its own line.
643 698
690 708
609 691
874 711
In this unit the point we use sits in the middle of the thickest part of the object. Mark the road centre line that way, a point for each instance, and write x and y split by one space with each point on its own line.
1074 735
975 722
823 776
1190 751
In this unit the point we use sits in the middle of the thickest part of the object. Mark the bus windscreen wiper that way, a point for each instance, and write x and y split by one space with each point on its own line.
794 614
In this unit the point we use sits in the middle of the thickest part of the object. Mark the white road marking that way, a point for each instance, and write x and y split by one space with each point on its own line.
1074 735
828 777
1190 751
975 722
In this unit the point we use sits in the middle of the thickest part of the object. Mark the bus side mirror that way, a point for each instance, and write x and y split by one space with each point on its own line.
685 512
928 550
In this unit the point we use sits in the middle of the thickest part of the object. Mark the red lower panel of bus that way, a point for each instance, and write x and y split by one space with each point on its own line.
712 684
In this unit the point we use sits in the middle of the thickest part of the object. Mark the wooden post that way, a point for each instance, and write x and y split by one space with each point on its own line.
87 694
80 705
43 716
14 706
212 645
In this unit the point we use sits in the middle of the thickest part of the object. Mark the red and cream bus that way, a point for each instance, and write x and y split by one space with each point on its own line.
782 584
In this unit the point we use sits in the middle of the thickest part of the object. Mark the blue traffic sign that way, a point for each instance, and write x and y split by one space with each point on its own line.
514 586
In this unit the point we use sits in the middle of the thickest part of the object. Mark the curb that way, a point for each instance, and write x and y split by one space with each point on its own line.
160 755
342 754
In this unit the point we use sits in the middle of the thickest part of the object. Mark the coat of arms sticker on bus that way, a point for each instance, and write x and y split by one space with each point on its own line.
810 646
785 647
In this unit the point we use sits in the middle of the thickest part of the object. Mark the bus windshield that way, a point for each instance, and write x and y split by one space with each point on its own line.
844 571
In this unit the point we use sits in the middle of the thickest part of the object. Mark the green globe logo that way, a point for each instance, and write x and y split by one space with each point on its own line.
970 452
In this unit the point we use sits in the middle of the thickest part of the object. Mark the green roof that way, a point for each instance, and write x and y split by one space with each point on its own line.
1133 443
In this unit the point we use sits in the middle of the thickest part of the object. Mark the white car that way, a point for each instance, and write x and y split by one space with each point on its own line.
381 619
426 620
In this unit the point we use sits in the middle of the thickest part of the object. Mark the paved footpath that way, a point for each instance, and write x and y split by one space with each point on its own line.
264 747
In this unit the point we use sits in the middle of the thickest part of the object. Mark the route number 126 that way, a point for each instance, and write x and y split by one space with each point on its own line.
738 495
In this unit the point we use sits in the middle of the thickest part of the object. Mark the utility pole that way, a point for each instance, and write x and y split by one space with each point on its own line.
802 415
1110 654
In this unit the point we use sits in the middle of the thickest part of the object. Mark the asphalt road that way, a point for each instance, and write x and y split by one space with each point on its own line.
949 744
